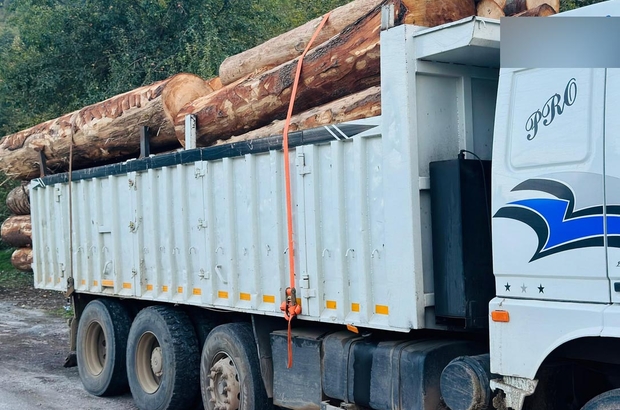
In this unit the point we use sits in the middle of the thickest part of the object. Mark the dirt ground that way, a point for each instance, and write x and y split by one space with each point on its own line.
33 348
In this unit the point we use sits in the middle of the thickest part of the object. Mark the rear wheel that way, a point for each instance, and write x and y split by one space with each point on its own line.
163 360
101 345
230 377
607 401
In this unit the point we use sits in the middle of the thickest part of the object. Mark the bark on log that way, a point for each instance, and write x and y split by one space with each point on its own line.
518 6
353 107
291 44
431 13
543 10
104 132
22 259
344 65
18 200
489 9
17 231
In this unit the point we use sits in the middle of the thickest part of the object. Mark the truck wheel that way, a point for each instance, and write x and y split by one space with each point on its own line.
162 360
230 377
101 345
606 401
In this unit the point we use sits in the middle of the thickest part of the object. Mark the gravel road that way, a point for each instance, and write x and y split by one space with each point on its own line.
33 347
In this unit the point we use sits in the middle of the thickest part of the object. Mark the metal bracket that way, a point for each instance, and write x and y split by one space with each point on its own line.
42 164
145 142
190 131
516 390
387 16
302 168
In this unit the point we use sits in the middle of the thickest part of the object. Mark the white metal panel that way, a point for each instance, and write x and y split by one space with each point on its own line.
547 231
612 179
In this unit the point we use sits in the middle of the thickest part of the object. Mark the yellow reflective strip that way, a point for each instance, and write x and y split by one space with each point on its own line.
382 309
107 283
126 285
149 287
164 288
180 289
355 307
269 299
95 283
222 294
197 291
331 304
245 296
83 281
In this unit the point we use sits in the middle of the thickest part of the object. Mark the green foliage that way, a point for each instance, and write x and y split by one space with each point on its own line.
566 5
9 276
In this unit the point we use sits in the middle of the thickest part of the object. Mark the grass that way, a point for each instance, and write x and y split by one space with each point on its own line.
9 276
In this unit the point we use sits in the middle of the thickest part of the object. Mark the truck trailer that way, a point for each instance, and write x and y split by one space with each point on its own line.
456 252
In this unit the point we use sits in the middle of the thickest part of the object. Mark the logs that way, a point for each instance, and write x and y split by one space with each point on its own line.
543 10
21 259
344 65
431 13
18 200
17 231
353 107
489 9
518 6
291 44
104 132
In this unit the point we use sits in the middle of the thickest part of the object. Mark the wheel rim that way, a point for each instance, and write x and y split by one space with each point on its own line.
95 349
149 363
224 387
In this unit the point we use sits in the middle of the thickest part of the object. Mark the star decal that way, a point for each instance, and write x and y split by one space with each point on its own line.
541 289
507 286
523 288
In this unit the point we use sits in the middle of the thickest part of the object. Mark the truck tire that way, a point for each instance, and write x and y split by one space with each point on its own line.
101 345
163 360
230 376
609 400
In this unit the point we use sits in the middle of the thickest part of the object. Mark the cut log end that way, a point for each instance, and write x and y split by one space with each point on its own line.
431 13
17 231
18 200
489 9
543 10
21 259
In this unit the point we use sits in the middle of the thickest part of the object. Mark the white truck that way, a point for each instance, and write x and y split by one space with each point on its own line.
176 263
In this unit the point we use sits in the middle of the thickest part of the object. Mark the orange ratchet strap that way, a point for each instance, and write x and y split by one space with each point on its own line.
290 306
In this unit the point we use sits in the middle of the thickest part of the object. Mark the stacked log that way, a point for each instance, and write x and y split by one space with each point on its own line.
21 259
497 9
16 230
104 132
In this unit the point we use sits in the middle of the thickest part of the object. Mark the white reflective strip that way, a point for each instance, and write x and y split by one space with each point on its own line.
330 131
340 131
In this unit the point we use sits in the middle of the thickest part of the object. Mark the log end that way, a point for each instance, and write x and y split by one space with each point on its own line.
21 259
184 88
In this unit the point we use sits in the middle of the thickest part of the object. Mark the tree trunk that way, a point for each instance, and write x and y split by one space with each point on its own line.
543 10
290 45
18 200
518 6
431 13
489 9
22 259
104 132
344 65
17 231
353 107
